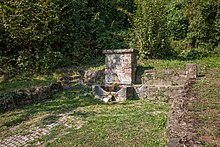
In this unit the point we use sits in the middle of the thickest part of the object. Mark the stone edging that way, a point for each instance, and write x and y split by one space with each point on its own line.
11 100
181 131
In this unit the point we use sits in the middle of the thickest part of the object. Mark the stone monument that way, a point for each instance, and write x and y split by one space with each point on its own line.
120 71
120 66
163 84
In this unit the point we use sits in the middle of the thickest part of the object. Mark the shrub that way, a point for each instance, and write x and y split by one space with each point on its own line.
203 15
151 29
47 34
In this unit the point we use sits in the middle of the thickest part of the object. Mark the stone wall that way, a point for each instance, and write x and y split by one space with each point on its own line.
11 100
164 77
164 84
165 93
181 129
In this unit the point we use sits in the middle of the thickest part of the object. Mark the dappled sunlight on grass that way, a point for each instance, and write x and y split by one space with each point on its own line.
126 123
27 80
133 122
61 103
130 122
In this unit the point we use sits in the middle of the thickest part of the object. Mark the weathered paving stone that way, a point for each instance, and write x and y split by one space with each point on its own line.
36 132
15 143
2 144
18 141
24 138
174 142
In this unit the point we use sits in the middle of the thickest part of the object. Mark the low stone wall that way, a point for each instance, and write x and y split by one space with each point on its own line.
91 77
88 77
181 129
164 77
11 100
14 99
164 93
164 84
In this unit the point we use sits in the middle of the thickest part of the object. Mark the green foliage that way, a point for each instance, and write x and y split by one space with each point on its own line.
188 28
203 15
177 21
47 34
177 25
196 27
29 30
42 34
151 29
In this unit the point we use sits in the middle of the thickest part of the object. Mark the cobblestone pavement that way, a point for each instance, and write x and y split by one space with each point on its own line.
38 132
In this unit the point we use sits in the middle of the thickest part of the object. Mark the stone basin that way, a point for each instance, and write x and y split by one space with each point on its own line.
105 93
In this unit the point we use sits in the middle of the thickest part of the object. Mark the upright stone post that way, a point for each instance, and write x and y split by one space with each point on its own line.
191 71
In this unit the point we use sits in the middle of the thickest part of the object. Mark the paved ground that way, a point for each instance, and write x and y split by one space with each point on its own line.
36 132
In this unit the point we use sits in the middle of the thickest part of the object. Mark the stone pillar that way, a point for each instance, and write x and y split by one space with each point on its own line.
191 71
121 66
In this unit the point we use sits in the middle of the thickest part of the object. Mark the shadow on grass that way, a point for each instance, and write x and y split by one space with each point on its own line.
15 85
62 102
140 71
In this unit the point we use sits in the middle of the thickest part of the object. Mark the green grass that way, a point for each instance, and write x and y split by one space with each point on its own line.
206 106
139 122
123 124
15 85
27 80
212 62
205 109
130 123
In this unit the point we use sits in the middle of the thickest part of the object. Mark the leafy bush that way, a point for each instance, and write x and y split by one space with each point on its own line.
188 28
203 15
194 26
47 34
30 31
151 29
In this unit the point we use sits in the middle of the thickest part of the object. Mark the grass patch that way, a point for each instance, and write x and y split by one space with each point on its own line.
24 80
122 124
139 122
15 85
206 106
130 123
203 63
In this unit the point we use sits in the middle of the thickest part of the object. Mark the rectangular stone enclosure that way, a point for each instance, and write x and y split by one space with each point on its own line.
121 66
163 84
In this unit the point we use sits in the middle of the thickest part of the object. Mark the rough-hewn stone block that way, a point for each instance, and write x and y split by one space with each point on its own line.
120 66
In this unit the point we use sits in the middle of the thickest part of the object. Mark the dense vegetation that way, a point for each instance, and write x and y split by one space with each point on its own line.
48 34
188 29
